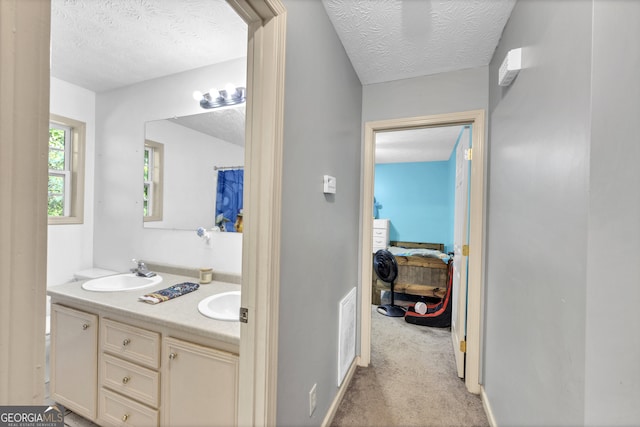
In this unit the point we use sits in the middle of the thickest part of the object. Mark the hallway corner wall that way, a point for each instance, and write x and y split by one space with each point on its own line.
612 372
535 299
320 232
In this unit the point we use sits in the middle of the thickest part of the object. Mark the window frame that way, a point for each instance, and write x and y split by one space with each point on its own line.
74 170
155 183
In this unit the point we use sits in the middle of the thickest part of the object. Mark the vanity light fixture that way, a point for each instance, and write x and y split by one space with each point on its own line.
230 95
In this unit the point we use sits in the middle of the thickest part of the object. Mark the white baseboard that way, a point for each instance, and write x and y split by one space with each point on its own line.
328 419
487 408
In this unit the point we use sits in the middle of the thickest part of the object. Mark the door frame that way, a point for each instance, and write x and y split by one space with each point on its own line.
24 119
257 384
476 118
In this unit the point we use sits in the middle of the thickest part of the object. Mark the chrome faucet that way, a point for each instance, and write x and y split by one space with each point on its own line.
141 269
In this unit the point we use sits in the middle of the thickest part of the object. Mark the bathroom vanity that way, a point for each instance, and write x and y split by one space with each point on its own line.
118 361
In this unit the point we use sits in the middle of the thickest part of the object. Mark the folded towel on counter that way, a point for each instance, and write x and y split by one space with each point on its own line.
169 293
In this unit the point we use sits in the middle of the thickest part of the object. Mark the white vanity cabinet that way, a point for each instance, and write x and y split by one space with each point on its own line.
199 385
120 362
74 356
133 373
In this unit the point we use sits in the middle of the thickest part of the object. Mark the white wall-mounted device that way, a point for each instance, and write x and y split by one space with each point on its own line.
329 184
510 67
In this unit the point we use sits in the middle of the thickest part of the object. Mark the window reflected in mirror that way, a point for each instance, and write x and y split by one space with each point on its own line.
194 147
153 191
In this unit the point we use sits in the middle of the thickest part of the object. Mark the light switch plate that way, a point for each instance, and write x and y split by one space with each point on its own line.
329 184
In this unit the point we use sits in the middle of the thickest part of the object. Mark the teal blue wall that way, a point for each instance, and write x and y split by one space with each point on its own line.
418 199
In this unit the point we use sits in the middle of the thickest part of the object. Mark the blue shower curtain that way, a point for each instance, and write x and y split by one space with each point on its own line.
229 196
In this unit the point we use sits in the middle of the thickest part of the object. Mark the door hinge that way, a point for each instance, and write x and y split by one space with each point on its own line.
468 153
244 315
465 250
463 346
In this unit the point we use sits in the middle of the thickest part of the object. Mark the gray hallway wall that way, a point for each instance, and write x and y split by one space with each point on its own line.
319 263
421 96
537 218
562 335
612 375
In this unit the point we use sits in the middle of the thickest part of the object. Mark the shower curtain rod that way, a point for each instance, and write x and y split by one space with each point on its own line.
216 168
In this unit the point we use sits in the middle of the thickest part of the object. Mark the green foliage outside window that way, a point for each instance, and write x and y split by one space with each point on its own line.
56 163
56 198
56 149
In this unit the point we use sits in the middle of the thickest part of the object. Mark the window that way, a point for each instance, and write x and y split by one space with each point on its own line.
66 171
152 193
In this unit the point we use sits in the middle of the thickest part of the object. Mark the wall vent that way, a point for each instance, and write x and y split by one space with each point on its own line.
346 334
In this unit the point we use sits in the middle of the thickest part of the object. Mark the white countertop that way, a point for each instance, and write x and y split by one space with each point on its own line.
179 313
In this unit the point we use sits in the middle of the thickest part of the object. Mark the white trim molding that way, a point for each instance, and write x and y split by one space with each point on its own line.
333 409
487 408
24 145
266 20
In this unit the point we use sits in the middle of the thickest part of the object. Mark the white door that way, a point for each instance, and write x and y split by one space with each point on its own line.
460 239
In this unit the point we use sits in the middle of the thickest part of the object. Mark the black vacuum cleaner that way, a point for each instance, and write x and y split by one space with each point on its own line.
386 267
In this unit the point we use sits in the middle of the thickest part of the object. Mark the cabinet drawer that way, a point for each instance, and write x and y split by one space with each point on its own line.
379 241
118 411
381 223
134 381
380 232
131 343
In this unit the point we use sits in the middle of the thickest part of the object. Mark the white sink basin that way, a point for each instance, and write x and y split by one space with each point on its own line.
224 306
120 282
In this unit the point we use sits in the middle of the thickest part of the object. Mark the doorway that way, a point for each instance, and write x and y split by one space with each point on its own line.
28 76
472 343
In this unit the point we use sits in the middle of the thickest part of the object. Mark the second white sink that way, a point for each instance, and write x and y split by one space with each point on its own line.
121 282
223 306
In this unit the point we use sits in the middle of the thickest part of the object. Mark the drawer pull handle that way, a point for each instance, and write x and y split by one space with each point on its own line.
85 326
173 356
126 342
125 380
125 417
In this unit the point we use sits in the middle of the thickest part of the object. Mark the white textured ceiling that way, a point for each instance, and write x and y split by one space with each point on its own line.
390 40
416 145
105 44
397 39
226 124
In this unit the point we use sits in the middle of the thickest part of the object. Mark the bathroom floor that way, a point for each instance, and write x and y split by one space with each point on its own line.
74 420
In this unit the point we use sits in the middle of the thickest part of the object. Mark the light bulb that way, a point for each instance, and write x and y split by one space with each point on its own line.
197 95
231 89
213 92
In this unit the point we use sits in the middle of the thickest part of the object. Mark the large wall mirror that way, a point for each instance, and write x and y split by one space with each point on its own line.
183 156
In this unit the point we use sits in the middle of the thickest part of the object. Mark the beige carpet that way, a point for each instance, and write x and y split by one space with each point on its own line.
411 381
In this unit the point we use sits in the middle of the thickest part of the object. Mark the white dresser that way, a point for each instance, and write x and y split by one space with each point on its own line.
380 234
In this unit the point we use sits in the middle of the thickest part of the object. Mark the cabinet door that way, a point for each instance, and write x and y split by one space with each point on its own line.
199 385
74 354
